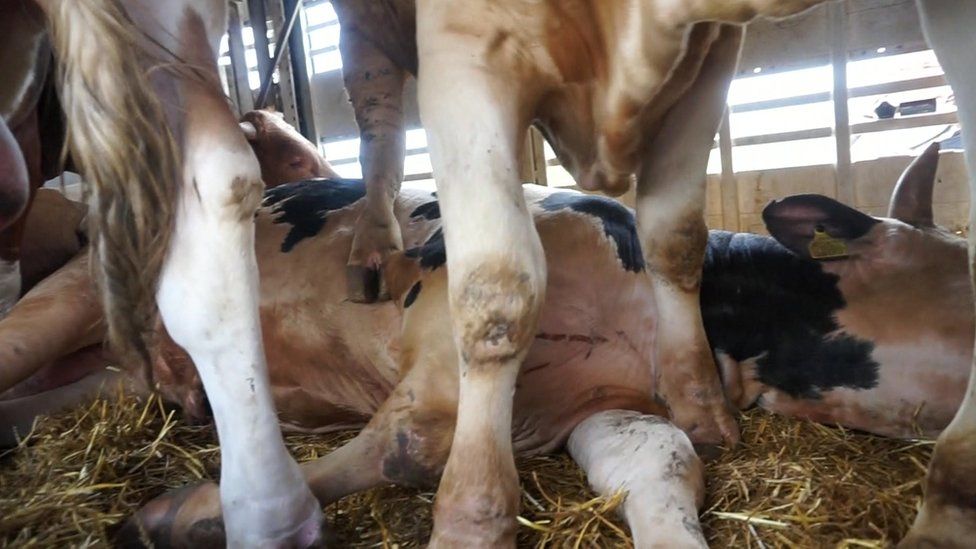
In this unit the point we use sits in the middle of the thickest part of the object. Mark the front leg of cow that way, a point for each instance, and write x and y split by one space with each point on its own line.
375 86
208 300
670 217
948 515
496 269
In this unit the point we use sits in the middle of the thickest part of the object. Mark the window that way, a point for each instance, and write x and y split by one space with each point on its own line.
322 37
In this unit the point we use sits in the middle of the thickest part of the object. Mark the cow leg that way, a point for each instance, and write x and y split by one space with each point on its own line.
57 317
16 193
406 442
207 298
670 213
496 268
948 515
375 86
655 464
17 415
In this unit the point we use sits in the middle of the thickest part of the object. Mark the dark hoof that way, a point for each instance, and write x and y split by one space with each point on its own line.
365 284
165 521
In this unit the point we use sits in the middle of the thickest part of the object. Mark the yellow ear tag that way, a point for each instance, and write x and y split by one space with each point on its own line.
824 246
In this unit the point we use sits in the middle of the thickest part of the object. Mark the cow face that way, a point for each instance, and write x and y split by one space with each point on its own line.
906 293
284 154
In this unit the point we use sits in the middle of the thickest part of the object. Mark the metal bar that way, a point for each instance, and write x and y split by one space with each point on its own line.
299 69
292 8
863 91
907 122
812 133
286 86
238 63
729 185
259 25
842 123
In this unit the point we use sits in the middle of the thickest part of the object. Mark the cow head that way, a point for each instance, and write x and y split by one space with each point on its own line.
284 154
904 281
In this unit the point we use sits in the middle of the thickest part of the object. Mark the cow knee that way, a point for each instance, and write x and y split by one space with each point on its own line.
417 450
495 307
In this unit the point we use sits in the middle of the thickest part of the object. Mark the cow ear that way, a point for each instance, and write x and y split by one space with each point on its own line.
911 202
250 131
814 226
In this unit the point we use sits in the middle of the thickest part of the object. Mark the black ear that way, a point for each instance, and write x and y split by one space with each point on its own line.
794 220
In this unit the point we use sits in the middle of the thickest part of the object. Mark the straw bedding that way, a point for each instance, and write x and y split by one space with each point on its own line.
790 483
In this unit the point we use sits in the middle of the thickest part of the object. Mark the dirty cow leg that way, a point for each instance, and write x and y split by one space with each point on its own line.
496 269
207 298
670 207
654 463
375 86
948 516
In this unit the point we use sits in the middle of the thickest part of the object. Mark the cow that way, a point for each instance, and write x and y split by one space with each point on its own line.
834 339
284 155
620 90
31 135
175 188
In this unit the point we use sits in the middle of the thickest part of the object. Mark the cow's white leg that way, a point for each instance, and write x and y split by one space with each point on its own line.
208 298
670 214
948 516
496 268
654 463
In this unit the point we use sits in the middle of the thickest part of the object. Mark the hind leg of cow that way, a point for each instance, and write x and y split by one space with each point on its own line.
948 515
16 193
496 268
654 463
670 215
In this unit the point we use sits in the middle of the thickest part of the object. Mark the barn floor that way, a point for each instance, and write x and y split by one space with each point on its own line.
790 484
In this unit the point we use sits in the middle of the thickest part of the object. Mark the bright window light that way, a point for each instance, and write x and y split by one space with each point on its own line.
326 61
903 142
780 85
341 150
417 164
320 14
892 68
806 152
416 139
557 176
782 119
324 37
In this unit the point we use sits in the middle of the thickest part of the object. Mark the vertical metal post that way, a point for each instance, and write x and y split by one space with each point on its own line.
286 86
729 185
299 68
238 63
259 24
842 125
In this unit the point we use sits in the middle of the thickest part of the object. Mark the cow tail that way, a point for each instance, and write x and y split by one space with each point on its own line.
119 137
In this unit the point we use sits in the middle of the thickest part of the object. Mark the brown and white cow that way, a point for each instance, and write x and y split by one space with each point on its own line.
176 186
620 88
284 155
837 341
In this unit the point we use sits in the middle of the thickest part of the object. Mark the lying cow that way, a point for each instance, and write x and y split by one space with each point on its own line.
837 340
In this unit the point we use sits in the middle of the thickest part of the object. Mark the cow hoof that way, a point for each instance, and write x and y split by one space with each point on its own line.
191 517
366 284
708 428
186 517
